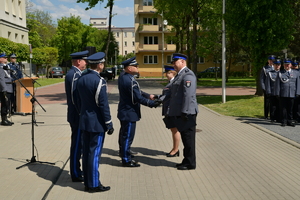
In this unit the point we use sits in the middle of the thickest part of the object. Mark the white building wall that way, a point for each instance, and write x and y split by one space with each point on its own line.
13 21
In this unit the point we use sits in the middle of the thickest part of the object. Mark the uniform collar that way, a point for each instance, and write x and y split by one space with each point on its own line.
182 69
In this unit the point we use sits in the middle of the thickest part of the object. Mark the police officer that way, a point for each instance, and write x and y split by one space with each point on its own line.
78 65
271 92
296 108
6 90
16 74
183 109
129 109
287 88
165 97
95 120
263 77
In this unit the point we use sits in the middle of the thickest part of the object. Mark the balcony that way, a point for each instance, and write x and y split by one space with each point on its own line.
148 28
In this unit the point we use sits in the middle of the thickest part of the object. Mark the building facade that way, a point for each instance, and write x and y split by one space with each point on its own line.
125 36
13 21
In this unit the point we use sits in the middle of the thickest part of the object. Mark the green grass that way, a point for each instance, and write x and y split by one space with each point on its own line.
48 81
236 106
211 82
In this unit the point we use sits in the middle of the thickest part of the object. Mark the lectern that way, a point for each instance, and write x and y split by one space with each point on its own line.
24 106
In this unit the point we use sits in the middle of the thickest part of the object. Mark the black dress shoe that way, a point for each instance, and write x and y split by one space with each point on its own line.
12 123
173 155
5 123
100 188
131 164
291 124
183 167
283 125
78 179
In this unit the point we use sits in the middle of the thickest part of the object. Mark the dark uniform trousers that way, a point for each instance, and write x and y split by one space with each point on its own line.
266 104
275 108
187 129
92 149
126 136
5 103
287 104
75 151
296 109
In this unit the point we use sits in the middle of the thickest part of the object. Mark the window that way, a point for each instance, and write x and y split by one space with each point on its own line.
133 52
150 40
133 43
150 59
201 60
133 34
125 44
169 59
148 2
170 40
8 36
117 33
125 34
125 52
151 21
94 22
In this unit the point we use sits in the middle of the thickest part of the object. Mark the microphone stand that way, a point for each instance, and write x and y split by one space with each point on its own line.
33 122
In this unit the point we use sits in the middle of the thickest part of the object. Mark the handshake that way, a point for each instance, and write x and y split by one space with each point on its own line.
157 102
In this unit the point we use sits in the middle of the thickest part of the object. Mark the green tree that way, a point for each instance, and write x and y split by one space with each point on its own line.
22 50
110 4
262 26
41 28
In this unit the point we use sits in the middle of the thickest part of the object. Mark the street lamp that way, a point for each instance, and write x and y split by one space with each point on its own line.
116 60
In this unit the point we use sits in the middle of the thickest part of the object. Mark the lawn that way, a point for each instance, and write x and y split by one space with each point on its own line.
210 82
48 81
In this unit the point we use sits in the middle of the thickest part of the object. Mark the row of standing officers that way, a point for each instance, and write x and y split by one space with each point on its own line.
89 113
281 86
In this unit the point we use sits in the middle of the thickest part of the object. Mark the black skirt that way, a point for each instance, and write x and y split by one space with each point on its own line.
169 122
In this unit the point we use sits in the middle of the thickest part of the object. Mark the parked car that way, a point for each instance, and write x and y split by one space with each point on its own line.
55 72
107 74
210 70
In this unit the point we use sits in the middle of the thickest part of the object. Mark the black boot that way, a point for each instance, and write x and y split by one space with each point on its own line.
4 121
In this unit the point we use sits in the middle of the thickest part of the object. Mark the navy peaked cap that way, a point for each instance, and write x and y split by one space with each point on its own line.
3 55
176 56
168 68
130 62
12 55
287 61
277 62
96 58
80 55
271 57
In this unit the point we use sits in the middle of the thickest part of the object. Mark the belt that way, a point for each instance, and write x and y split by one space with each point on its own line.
8 82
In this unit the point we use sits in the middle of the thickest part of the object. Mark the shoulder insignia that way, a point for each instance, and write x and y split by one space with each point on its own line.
188 83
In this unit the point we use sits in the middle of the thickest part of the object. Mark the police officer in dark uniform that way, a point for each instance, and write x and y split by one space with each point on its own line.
95 120
15 74
129 109
6 90
263 76
271 91
183 109
296 108
78 65
287 88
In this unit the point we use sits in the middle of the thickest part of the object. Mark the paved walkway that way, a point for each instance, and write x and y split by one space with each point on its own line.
235 160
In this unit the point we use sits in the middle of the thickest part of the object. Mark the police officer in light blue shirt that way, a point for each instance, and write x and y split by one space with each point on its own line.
129 109
287 87
78 65
183 109
95 120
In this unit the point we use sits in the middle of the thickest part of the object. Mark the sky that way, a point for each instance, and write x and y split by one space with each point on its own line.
123 10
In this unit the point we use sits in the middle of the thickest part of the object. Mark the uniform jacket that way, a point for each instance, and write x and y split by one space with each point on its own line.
70 85
287 85
17 69
183 94
94 108
165 97
263 75
6 80
130 99
270 82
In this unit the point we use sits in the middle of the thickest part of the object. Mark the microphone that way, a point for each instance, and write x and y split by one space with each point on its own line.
5 67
